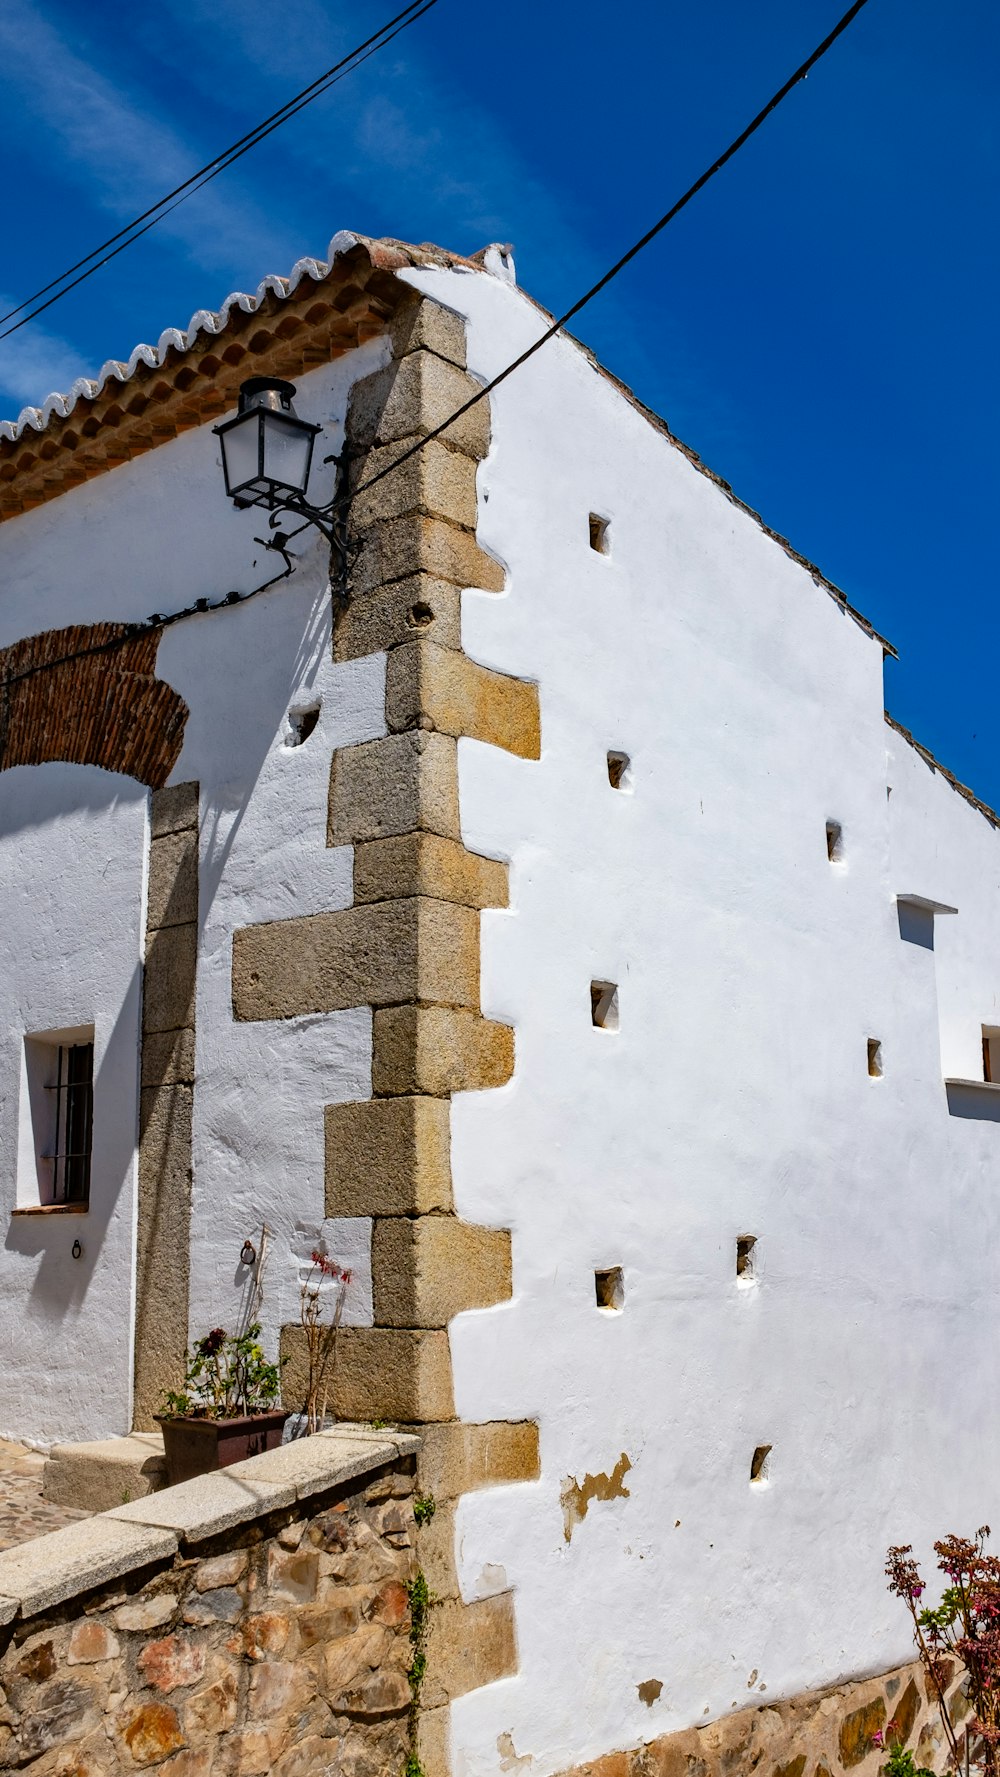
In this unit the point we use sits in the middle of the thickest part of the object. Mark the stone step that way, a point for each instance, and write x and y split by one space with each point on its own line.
97 1477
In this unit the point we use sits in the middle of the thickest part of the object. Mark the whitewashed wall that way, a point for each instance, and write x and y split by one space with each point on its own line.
73 846
735 1098
153 536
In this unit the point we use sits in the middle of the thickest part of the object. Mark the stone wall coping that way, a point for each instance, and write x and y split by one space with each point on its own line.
218 1502
37 1575
46 1571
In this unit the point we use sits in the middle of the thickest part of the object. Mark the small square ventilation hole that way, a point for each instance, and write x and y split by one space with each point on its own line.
610 1288
874 1058
760 1465
834 842
600 529
604 1004
301 724
745 1244
619 774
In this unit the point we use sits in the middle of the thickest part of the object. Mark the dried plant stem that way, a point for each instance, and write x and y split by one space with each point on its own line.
321 1336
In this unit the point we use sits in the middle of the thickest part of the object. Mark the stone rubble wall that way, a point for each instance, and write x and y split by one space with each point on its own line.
823 1733
250 1622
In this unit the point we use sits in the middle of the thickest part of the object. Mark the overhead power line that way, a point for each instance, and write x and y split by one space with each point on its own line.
161 621
140 225
626 258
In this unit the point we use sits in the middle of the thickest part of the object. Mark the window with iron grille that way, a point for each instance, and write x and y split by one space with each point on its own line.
73 1094
55 1142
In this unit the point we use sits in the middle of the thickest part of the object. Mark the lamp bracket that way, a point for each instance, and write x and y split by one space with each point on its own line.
330 521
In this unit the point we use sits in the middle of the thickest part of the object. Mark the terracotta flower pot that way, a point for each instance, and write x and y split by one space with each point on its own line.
197 1446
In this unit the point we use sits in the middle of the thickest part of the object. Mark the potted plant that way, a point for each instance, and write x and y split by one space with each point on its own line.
227 1409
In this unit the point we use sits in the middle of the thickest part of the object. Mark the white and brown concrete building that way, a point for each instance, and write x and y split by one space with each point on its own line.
559 933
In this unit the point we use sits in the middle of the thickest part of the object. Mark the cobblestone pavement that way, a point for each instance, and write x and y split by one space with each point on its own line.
23 1512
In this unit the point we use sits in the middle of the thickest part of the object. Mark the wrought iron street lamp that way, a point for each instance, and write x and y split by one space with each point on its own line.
267 458
266 450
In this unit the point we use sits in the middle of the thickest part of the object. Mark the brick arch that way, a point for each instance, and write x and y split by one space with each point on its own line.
97 702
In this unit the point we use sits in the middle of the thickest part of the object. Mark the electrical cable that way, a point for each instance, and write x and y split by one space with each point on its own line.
180 194
626 258
158 621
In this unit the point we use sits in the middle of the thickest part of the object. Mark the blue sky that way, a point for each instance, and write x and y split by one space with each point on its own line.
819 325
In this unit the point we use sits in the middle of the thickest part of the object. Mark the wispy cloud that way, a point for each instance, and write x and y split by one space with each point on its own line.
119 150
35 363
402 146
445 155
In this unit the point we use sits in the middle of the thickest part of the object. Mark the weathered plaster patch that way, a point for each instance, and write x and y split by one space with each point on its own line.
649 1691
575 1496
510 1760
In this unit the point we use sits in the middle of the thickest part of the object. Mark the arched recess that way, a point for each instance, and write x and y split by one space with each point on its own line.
89 695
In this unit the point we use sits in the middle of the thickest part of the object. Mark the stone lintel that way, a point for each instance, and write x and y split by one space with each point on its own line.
168 1058
402 784
437 1551
380 1373
388 1156
427 864
163 1245
174 809
169 978
425 683
461 1458
414 395
417 950
172 891
434 1741
469 1645
438 1050
438 482
388 615
416 544
428 1269
428 325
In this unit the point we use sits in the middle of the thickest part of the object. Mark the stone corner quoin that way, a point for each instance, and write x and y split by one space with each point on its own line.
408 947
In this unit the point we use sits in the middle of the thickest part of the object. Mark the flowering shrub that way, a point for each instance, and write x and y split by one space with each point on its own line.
321 1336
900 1762
227 1376
965 1629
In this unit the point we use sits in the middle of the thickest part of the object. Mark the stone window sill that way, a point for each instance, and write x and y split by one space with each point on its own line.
51 1209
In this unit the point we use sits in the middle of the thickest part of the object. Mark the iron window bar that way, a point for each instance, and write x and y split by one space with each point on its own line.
74 1093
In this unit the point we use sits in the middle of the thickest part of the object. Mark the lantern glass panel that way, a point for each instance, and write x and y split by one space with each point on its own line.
287 451
241 451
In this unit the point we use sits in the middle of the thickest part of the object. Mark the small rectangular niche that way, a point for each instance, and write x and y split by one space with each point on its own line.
991 1054
609 1287
745 1258
619 772
600 534
604 1004
835 842
301 724
760 1465
874 1058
